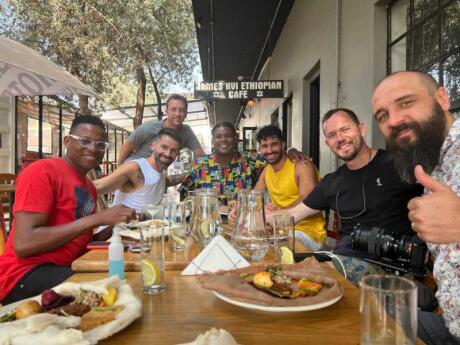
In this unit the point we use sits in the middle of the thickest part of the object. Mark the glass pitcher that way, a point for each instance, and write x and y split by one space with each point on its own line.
250 235
205 221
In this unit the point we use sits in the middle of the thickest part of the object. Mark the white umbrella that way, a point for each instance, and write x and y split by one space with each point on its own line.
24 72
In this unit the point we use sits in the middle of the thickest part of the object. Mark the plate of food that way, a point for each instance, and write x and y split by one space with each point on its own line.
131 229
276 288
71 313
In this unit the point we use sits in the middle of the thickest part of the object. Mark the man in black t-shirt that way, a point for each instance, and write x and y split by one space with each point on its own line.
365 191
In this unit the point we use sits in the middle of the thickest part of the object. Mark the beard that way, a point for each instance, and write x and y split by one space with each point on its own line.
425 149
158 159
276 159
353 153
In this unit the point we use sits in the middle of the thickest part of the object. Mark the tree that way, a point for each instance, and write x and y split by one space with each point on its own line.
61 31
103 41
159 39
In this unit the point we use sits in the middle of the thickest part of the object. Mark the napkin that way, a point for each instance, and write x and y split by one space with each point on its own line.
214 337
218 255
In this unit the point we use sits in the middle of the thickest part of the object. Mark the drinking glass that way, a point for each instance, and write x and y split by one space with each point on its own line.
283 234
177 225
388 308
152 249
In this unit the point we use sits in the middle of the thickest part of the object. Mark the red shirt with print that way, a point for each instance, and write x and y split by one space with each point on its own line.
53 187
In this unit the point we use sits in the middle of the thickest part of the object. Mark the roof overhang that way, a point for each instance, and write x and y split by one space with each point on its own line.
235 38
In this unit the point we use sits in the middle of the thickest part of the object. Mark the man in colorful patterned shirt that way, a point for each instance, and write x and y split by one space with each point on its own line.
412 111
226 170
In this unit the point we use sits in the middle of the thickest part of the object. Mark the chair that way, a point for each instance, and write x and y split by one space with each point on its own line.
6 178
3 236
101 200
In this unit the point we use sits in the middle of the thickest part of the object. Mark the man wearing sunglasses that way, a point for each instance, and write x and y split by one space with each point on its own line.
142 181
364 192
55 214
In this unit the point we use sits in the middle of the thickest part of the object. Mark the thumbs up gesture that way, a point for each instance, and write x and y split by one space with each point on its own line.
435 217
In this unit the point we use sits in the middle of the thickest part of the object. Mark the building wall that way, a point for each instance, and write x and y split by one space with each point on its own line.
7 134
345 40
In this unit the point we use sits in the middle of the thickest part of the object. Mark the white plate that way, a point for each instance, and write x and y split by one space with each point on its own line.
277 309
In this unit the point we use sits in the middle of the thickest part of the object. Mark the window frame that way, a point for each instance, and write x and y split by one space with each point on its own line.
440 58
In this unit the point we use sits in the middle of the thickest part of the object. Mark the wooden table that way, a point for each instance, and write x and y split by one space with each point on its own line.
97 260
186 310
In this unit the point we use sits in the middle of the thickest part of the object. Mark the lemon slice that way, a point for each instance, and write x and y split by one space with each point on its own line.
150 271
110 296
287 257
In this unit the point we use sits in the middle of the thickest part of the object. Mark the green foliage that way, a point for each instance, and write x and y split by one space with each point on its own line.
104 41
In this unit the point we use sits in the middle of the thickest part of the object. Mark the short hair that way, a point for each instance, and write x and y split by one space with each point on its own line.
427 79
178 97
269 131
168 132
351 114
86 119
223 124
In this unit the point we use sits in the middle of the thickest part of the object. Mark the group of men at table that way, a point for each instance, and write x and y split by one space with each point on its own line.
55 204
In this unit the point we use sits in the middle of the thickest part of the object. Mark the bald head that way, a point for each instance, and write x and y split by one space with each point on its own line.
424 78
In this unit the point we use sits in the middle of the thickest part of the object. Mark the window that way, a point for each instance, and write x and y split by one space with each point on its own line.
425 35
32 136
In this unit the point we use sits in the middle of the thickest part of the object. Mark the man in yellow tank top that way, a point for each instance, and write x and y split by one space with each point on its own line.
288 183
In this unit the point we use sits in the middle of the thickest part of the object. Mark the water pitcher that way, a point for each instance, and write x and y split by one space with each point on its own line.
205 222
249 235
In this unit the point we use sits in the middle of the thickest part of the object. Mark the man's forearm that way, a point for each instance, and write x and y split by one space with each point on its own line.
175 179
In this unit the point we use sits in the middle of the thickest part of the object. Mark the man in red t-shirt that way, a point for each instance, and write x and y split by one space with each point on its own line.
54 214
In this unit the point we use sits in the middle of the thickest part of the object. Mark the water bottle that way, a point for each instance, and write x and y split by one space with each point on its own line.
116 261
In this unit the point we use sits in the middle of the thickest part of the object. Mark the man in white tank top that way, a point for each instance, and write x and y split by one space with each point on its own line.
142 181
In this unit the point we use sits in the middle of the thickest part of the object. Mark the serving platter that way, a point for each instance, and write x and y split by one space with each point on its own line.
277 309
39 327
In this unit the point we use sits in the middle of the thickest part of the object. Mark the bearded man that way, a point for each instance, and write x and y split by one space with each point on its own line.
142 181
412 111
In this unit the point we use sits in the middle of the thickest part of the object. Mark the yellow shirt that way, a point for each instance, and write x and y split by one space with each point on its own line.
283 191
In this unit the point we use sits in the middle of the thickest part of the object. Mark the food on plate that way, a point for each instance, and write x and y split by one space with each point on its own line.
28 308
263 279
156 223
64 305
109 297
273 281
51 299
97 317
89 308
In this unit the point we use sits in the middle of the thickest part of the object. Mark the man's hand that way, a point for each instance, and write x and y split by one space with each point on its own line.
116 214
270 207
232 216
297 156
435 217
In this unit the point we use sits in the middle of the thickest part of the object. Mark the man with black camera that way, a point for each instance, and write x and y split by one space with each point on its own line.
412 111
365 192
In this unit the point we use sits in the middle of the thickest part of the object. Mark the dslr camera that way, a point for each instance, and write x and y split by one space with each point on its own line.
401 252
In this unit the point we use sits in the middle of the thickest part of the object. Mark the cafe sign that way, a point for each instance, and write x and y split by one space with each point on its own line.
239 89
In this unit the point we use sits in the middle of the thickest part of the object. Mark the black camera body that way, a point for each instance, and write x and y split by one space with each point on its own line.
402 252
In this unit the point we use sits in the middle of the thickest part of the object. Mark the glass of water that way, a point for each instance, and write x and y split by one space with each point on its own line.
283 234
388 308
177 225
152 234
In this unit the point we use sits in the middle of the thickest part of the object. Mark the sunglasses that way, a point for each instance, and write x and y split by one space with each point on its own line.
355 215
85 142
